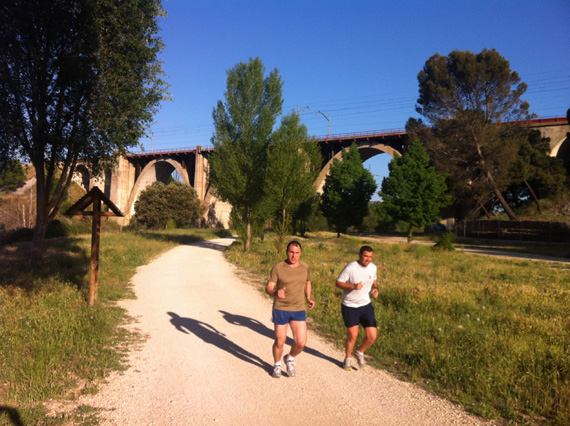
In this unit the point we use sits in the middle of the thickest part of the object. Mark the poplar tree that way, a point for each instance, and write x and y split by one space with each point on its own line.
347 191
243 126
294 163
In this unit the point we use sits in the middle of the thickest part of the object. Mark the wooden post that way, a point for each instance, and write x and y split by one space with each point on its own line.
94 197
95 239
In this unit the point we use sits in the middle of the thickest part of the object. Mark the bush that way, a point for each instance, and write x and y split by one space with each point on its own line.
159 202
446 242
17 235
12 175
57 228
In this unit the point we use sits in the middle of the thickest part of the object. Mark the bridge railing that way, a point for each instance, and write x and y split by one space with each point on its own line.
170 151
369 133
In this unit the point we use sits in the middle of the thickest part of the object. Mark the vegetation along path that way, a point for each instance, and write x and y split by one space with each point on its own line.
207 360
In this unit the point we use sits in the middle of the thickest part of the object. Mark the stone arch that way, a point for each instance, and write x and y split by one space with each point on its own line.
366 151
156 170
562 151
560 145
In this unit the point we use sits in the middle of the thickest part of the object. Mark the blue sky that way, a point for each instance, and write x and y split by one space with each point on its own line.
355 61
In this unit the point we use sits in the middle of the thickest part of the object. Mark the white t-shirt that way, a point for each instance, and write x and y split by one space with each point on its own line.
354 273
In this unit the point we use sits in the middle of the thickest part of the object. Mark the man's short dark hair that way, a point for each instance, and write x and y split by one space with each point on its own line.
294 243
365 248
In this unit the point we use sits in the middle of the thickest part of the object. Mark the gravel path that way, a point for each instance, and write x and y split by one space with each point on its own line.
207 360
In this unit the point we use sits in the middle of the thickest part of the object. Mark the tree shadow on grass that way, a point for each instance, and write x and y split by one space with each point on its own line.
183 239
13 415
64 258
212 336
262 329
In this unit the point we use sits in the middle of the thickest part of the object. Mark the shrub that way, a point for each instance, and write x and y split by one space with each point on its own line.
446 242
159 202
57 228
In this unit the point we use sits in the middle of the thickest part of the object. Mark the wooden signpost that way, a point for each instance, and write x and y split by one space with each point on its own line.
94 197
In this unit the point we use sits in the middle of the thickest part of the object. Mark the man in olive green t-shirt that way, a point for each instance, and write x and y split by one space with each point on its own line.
289 283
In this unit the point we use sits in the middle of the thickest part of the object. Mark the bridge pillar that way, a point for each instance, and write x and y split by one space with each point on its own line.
122 181
200 174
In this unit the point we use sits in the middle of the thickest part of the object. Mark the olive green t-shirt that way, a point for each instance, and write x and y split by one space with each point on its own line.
293 280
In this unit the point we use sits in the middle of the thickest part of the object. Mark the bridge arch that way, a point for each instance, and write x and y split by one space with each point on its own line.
366 150
560 147
156 170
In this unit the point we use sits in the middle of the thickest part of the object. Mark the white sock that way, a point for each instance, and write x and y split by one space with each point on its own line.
290 358
359 353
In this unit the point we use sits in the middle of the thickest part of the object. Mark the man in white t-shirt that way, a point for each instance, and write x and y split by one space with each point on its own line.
358 279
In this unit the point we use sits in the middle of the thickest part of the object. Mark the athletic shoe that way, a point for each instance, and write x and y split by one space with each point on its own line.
360 359
277 371
346 365
290 365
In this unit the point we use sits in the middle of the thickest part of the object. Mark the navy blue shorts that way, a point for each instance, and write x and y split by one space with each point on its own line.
284 317
363 315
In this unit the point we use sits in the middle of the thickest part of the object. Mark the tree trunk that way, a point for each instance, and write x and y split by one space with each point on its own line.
534 197
40 229
247 244
37 250
512 215
485 211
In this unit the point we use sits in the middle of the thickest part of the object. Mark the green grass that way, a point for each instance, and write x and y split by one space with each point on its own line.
491 334
52 341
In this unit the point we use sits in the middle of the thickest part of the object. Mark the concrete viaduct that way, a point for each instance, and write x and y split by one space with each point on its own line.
135 172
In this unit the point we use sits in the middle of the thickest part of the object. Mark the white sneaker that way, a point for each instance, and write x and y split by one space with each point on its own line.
360 359
290 365
346 365
277 371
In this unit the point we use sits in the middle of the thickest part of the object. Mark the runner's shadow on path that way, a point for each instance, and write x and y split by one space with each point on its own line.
262 329
211 335
212 245
13 415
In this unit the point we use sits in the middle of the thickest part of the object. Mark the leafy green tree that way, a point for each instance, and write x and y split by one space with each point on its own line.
79 80
307 216
160 203
536 175
347 191
293 166
413 191
243 126
12 175
465 97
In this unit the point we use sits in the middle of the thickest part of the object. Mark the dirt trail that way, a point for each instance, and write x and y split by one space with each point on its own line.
207 360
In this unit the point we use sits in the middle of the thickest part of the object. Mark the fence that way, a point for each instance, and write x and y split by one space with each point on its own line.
555 232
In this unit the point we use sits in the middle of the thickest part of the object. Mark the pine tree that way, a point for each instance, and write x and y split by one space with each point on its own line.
413 192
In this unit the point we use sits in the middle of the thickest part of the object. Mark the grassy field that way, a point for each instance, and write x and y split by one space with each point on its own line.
53 344
491 334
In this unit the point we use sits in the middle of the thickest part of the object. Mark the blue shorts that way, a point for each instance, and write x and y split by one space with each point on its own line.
363 315
284 317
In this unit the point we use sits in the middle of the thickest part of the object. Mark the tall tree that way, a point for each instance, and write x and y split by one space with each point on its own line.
243 126
413 192
465 97
347 191
79 80
293 166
